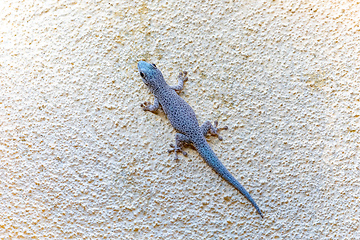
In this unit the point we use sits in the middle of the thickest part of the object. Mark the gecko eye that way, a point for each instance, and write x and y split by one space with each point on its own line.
142 74
153 65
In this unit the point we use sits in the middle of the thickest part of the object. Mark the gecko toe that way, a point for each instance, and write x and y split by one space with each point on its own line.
145 106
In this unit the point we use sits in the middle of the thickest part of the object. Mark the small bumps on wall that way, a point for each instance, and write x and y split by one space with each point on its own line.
80 159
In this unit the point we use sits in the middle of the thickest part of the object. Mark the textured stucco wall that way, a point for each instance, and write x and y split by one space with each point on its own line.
80 159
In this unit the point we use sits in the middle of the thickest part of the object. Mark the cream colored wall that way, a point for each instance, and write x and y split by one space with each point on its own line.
80 159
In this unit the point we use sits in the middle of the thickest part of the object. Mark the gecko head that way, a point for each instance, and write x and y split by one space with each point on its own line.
150 74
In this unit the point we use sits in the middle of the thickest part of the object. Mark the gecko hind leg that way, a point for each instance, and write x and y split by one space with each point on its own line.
180 139
214 130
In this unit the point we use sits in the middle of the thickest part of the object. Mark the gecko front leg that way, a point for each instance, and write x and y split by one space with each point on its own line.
152 108
181 79
208 127
180 139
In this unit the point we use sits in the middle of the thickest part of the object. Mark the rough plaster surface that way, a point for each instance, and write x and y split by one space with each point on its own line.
80 159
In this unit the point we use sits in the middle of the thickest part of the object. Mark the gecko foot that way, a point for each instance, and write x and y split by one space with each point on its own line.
183 76
145 106
214 131
176 149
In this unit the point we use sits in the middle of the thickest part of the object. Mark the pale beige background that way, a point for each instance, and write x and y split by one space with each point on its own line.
80 159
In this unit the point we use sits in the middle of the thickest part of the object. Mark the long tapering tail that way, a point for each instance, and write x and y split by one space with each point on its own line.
209 156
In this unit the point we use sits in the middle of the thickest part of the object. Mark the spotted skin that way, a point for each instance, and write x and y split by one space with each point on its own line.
183 119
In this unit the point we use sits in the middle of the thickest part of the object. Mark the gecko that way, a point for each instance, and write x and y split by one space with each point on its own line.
182 118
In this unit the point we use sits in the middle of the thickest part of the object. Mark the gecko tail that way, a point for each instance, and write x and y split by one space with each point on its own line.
211 159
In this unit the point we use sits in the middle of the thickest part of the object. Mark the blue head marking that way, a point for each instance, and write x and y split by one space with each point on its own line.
150 75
